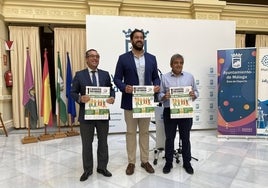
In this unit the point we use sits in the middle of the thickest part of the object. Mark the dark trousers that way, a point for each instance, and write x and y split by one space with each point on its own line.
184 125
87 135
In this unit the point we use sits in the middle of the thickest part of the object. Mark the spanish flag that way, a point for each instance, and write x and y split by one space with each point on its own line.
46 106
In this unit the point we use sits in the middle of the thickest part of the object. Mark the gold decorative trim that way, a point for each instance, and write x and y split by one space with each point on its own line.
247 18
40 15
104 11
73 12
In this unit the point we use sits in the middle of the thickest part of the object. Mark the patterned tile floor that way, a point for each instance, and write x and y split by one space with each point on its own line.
222 162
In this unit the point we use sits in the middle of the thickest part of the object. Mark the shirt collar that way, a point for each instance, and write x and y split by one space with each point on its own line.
172 74
90 70
142 54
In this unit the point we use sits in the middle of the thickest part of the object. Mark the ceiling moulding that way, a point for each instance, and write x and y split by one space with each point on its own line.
207 5
45 14
47 3
250 24
153 4
163 7
247 17
103 3
102 7
42 22
245 11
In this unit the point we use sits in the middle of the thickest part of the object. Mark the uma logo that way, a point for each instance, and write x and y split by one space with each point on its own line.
127 39
264 60
236 60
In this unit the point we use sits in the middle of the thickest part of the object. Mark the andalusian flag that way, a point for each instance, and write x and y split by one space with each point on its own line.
29 101
46 106
60 106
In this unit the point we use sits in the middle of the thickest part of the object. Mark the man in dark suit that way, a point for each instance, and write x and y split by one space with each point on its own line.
136 67
92 76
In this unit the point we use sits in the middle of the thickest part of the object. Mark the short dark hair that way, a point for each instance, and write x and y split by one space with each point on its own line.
90 50
176 56
136 31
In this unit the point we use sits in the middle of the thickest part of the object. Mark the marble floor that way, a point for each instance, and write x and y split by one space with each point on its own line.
222 162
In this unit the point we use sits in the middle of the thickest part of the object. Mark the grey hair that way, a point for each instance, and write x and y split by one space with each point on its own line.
176 56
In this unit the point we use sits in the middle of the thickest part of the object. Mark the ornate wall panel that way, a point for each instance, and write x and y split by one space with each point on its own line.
248 18
46 11
73 12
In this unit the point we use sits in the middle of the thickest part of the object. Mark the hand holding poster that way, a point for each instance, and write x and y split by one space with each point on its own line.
96 108
143 101
180 102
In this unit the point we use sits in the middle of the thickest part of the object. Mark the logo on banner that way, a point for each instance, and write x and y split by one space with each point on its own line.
211 70
264 60
128 42
236 60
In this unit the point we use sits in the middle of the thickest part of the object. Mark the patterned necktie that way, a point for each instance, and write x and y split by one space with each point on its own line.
94 80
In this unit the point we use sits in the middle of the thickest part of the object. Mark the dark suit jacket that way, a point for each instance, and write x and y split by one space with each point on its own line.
126 74
79 83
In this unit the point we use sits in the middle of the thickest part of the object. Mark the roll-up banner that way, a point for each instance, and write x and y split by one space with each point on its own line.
262 94
237 92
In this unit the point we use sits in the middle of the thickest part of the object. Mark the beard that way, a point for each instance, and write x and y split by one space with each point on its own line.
138 46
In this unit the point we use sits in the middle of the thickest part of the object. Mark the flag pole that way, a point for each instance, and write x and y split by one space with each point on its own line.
71 102
45 136
61 116
59 134
29 139
29 123
70 120
72 132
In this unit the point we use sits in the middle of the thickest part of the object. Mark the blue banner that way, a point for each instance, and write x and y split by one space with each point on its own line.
236 91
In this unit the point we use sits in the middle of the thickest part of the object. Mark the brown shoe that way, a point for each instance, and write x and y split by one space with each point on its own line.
130 169
147 167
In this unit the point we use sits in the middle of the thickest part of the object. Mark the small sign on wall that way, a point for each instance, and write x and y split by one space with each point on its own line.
5 59
9 45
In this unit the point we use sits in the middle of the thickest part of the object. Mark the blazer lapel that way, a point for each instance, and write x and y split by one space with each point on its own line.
132 62
87 77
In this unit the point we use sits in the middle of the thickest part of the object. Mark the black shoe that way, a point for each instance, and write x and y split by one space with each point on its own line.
189 169
85 175
167 168
104 172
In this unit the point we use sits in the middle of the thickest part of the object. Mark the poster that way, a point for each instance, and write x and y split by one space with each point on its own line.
236 91
96 108
180 102
143 101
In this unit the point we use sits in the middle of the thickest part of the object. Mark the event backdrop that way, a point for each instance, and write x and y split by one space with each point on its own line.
197 40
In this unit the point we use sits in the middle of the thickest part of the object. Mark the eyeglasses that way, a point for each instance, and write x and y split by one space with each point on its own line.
93 56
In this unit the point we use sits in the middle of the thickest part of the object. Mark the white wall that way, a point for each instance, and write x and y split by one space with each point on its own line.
197 40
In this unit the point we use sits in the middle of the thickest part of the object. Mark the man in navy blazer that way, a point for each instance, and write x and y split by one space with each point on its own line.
92 76
136 67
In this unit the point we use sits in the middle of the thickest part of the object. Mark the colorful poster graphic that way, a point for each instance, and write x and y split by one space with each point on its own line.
96 107
180 102
236 91
143 101
262 112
